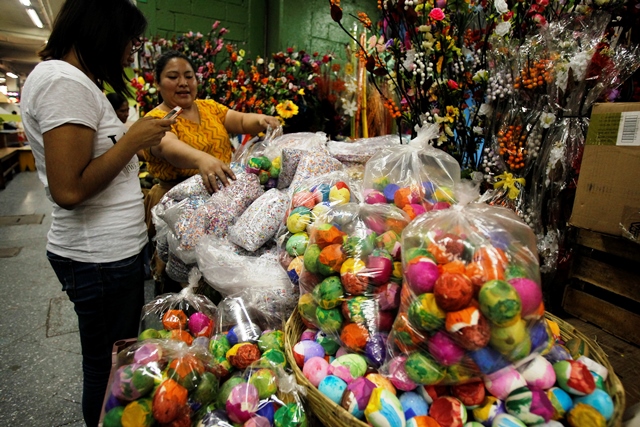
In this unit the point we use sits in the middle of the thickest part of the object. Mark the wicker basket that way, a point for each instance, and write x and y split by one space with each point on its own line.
332 415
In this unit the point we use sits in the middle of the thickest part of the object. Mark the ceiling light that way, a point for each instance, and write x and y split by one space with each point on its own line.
10 74
25 2
34 17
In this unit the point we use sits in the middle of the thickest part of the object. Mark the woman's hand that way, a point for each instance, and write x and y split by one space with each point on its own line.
212 169
266 121
148 132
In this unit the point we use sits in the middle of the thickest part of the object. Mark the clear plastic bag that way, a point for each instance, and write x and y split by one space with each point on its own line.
161 382
415 177
184 316
471 297
310 200
228 271
351 276
312 165
260 222
361 150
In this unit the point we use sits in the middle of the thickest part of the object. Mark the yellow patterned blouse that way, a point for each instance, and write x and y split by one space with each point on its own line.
209 136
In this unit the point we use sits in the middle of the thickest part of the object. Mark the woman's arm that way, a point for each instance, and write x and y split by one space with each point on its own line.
184 156
73 175
249 123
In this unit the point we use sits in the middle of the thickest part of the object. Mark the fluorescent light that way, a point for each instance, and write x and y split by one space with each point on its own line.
34 17
10 74
26 3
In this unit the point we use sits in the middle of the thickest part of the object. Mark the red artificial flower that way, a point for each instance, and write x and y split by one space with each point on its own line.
326 59
453 85
289 50
437 14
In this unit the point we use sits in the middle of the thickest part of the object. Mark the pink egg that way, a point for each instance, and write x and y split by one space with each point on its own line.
503 382
374 197
538 373
341 352
530 294
376 224
384 320
398 374
200 324
242 402
303 198
438 206
315 370
422 275
257 421
309 334
444 349
379 269
388 296
341 372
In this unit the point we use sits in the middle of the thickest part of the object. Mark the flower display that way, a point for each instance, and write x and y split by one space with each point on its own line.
289 84
510 85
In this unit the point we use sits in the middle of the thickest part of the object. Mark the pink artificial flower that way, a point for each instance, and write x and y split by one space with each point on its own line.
215 25
190 34
539 19
543 3
223 31
437 14
453 85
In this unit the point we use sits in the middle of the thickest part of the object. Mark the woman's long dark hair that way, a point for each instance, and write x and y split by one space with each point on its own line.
99 30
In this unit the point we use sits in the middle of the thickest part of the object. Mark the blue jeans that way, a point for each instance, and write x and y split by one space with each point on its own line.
108 299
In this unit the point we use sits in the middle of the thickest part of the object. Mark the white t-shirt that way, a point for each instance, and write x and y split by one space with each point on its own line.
110 225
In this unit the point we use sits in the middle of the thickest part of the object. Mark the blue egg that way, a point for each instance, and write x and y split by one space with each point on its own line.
506 420
560 400
489 360
384 409
390 192
600 400
323 189
332 387
429 189
266 409
557 354
413 405
539 336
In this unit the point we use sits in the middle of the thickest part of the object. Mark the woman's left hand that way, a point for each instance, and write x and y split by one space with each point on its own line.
266 121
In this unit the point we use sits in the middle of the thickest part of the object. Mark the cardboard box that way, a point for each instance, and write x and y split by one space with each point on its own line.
608 194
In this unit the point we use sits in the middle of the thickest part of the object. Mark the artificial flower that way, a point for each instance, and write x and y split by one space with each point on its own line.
436 14
501 6
287 109
503 28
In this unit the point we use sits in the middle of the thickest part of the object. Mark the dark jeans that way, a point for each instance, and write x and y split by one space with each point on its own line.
108 299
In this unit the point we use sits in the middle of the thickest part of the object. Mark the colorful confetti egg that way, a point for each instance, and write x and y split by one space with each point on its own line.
384 410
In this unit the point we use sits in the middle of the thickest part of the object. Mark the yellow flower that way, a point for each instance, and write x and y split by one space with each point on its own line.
141 80
287 109
452 111
348 69
241 52
301 91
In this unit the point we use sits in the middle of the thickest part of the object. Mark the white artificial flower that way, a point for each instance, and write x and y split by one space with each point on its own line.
260 61
351 86
271 66
501 6
409 60
485 110
477 130
349 108
503 28
481 76
547 119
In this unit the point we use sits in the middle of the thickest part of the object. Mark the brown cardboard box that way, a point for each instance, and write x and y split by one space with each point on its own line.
608 193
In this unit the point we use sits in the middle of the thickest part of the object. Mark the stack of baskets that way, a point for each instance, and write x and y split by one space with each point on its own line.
332 415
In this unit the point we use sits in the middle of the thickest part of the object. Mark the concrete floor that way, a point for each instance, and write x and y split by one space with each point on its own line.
40 359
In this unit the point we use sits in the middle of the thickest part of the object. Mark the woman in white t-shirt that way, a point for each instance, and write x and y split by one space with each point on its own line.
89 168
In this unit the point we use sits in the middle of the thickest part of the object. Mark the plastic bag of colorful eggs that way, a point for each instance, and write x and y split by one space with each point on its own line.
159 382
471 300
541 391
416 179
350 281
254 398
309 201
184 316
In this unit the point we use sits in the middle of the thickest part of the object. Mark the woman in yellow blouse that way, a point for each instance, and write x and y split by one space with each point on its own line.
199 141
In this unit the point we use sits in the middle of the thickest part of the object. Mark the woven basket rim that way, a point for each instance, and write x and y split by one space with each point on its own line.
334 415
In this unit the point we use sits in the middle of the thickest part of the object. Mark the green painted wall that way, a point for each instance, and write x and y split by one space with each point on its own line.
245 19
261 27
307 24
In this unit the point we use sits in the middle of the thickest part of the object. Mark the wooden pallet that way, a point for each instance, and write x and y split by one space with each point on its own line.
605 284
